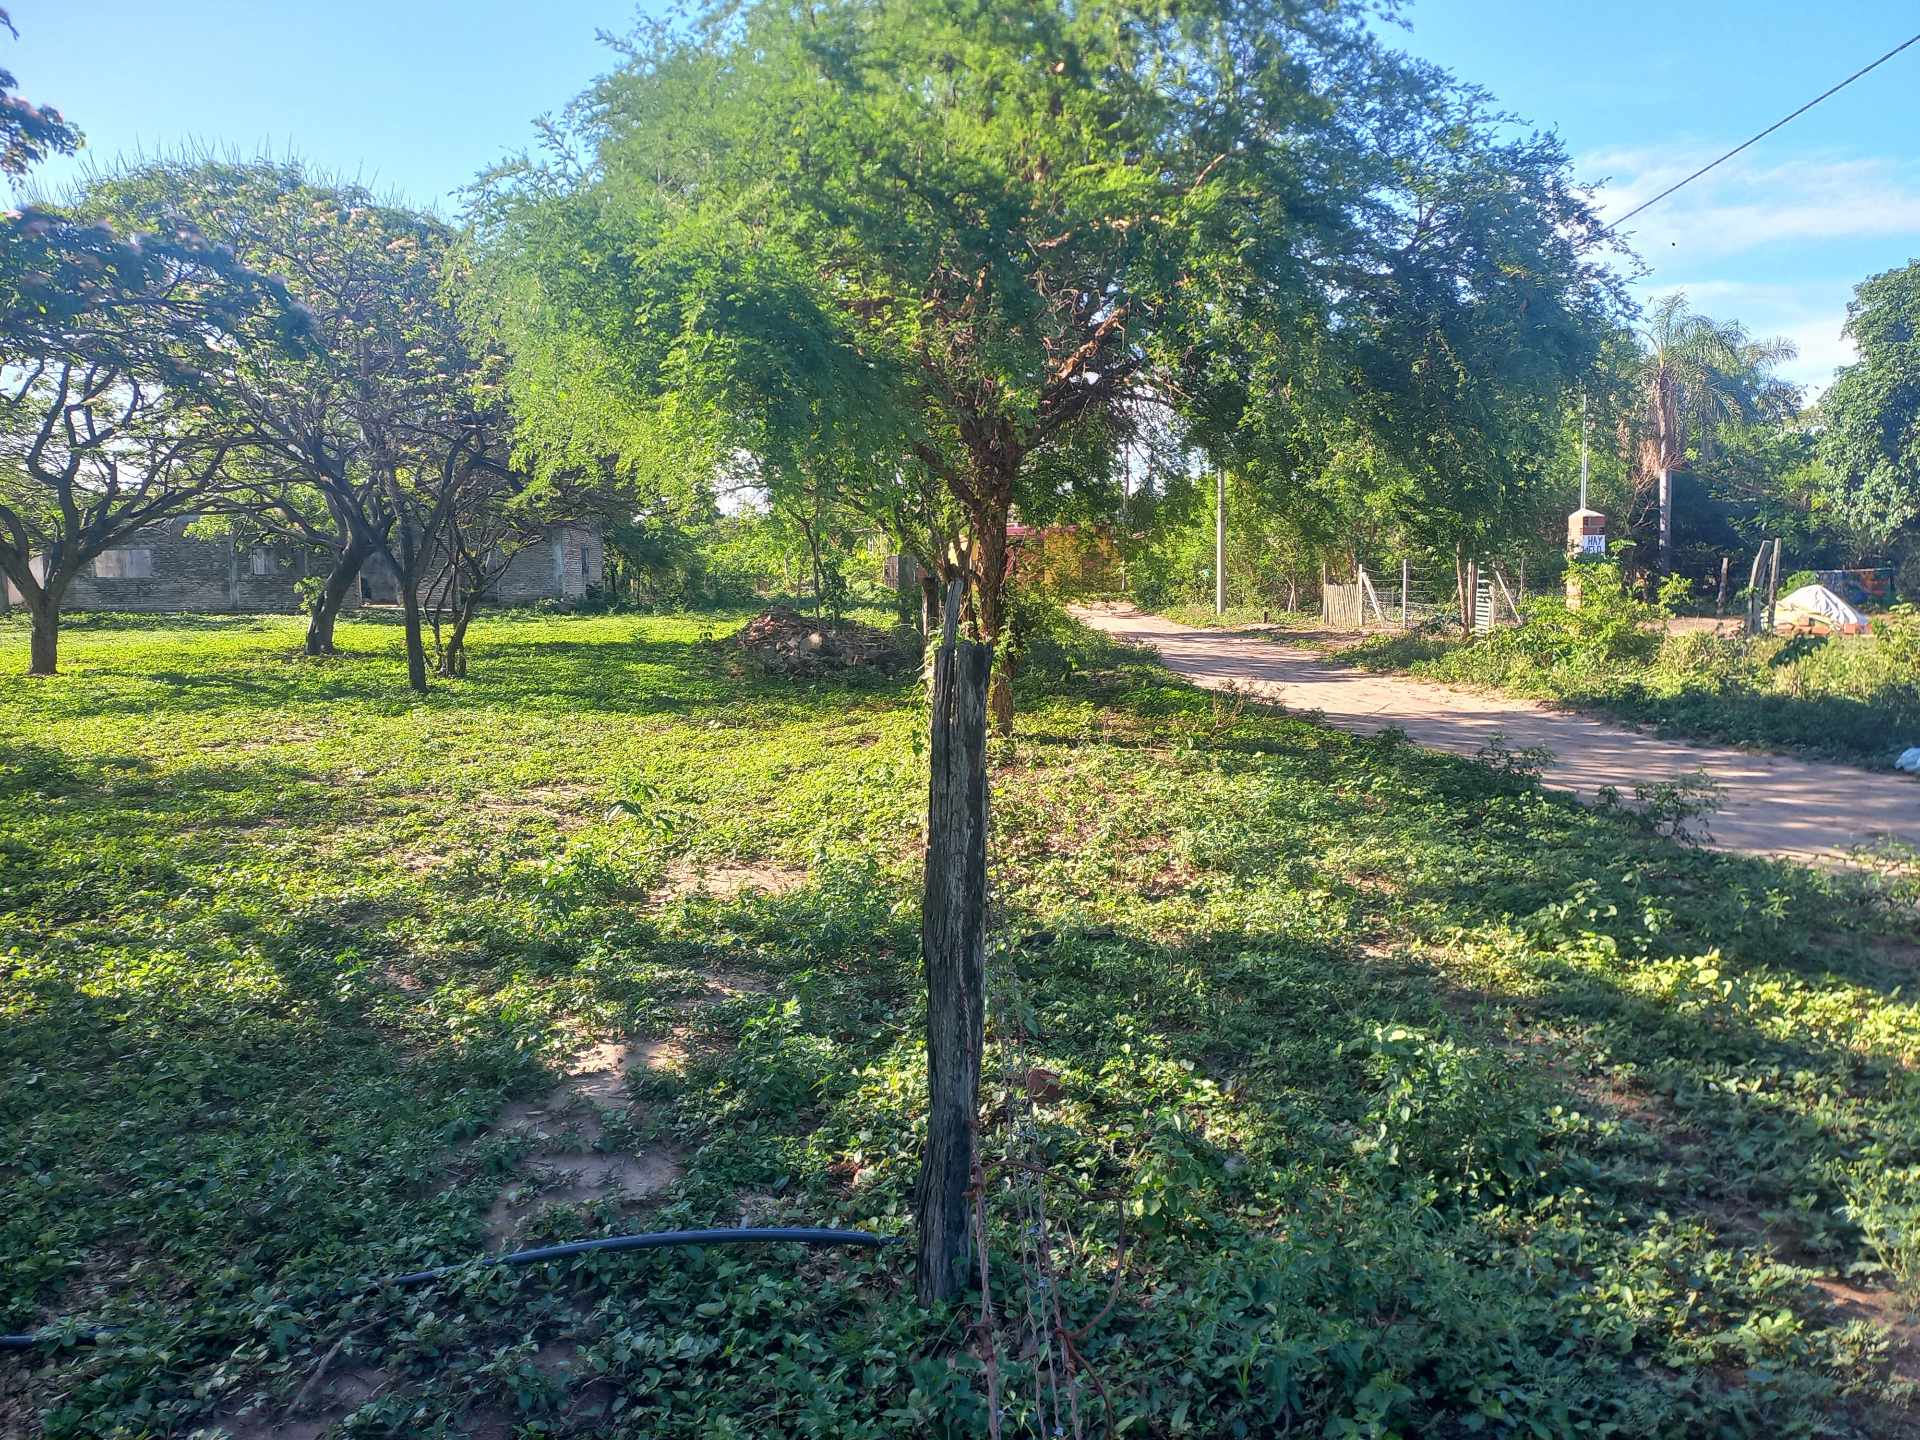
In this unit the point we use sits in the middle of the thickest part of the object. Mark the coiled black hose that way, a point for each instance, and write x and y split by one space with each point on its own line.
655 1240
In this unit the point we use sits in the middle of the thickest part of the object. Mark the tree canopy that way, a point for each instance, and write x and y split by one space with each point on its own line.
28 132
1871 441
106 422
360 442
972 247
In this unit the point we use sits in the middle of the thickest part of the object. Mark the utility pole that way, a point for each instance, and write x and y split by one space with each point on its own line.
1583 447
1220 541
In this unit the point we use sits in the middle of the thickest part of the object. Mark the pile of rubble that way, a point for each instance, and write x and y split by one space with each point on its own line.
793 644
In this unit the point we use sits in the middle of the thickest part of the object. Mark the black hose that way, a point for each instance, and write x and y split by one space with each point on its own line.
656 1240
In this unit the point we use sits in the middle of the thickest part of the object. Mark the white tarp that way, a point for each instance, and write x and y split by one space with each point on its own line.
1818 604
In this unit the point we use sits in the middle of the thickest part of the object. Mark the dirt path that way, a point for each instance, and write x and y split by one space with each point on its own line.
1773 805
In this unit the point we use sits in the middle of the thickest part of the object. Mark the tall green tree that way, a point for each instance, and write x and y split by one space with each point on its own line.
360 444
963 242
973 246
106 424
1697 373
1871 439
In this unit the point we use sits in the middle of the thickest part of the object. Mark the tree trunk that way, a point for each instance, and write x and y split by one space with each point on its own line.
953 947
1219 540
43 645
1666 520
813 554
416 643
929 603
1773 587
331 599
1720 600
990 598
453 659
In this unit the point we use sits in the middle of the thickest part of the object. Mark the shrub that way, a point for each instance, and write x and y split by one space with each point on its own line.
1847 695
1449 1117
1898 632
1608 626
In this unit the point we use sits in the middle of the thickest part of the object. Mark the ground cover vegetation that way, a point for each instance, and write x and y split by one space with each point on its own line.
1329 1086
1850 697
1378 1092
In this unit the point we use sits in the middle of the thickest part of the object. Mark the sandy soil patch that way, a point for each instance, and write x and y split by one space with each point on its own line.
728 879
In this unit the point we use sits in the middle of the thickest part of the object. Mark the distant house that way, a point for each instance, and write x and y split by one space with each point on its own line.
164 569
566 562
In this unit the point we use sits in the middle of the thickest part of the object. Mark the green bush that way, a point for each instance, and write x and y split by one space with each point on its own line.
1854 697
1455 1117
1609 627
1898 632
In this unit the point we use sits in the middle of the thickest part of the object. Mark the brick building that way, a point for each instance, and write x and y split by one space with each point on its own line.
164 569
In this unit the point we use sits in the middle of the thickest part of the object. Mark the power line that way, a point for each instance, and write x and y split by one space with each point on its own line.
1762 135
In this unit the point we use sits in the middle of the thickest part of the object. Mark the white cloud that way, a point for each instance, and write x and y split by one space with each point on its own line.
1745 205
1776 242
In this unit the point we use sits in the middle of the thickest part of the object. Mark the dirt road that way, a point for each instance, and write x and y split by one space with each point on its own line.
1773 805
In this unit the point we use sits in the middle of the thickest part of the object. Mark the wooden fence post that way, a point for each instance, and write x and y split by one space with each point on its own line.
1366 588
1773 585
953 945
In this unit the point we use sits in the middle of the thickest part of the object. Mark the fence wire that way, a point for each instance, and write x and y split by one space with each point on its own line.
1388 599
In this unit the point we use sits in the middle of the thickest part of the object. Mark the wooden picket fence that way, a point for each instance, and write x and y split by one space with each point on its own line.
1343 607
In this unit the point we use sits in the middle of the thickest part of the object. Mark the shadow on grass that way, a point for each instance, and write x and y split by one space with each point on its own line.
640 677
1430 1128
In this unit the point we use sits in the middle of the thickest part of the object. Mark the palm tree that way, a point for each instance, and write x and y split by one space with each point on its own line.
1697 373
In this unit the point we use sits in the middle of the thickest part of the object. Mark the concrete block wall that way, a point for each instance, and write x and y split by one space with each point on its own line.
181 573
567 562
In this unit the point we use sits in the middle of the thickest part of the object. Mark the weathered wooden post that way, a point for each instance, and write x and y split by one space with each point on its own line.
1753 589
953 945
1773 586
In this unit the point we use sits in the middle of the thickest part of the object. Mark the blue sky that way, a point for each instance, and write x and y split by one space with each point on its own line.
415 96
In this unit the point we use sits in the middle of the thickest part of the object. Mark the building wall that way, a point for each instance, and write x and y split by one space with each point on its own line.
162 569
564 564
567 562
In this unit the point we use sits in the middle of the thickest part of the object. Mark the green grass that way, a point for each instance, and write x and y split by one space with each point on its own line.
1433 1104
1243 617
1845 697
